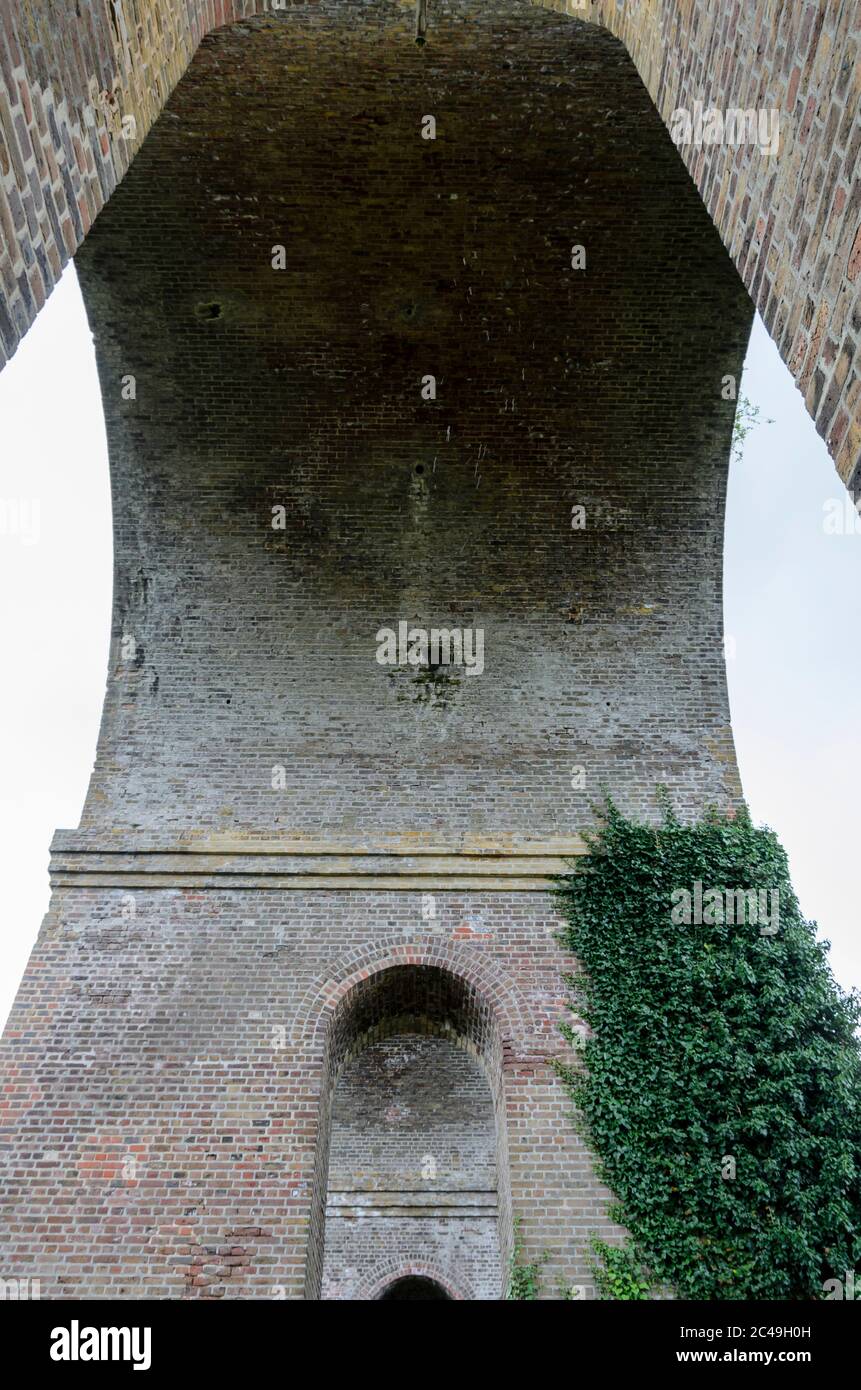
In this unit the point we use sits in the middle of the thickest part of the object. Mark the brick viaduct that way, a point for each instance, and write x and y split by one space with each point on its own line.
286 1030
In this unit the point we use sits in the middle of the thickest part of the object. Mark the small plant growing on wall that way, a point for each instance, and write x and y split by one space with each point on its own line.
618 1273
747 417
524 1280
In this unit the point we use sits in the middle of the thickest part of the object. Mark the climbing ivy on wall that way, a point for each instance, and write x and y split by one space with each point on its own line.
719 1082
618 1273
524 1279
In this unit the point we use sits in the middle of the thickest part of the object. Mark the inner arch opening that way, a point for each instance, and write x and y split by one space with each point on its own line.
412 1161
413 1287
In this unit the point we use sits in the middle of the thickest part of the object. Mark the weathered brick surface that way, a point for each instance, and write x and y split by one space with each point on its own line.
163 1112
792 223
412 1164
70 76
175 1054
255 648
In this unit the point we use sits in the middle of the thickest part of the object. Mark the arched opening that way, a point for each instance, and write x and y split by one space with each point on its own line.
411 1288
412 1159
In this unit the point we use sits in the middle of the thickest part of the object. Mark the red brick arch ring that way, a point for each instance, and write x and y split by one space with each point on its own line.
321 1001
373 1284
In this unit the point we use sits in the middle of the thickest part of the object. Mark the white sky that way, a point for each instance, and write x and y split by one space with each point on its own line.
791 593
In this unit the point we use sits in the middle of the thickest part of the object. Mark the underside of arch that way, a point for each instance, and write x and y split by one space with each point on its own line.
80 89
413 1287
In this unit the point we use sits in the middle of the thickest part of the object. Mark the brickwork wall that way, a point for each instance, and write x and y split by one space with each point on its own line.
70 77
164 1076
254 648
174 1052
433 1102
792 222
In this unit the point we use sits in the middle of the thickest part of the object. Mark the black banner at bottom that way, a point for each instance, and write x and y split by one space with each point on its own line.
66 1339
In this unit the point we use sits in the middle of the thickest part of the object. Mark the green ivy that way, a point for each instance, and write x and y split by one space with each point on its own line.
524 1280
618 1272
720 1083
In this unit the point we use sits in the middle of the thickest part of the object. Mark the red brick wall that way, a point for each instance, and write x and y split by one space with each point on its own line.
163 1117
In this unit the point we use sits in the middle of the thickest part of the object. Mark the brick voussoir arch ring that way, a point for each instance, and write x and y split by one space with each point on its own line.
378 1278
497 989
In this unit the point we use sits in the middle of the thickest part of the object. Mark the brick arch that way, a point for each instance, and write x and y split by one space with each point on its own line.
75 81
791 222
480 971
430 988
375 1281
792 227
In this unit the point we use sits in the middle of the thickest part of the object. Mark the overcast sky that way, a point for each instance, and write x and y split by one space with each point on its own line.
791 594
